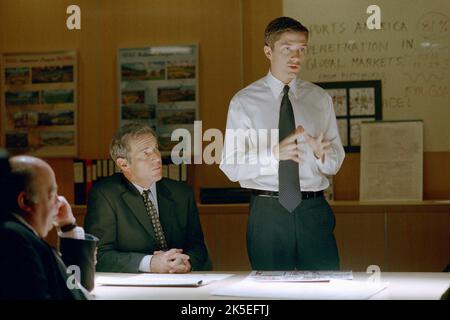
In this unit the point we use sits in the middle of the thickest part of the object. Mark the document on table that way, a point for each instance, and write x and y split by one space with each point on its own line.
300 276
335 289
160 280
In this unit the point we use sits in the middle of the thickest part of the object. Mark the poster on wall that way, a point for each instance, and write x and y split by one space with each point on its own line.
159 86
391 161
39 103
354 102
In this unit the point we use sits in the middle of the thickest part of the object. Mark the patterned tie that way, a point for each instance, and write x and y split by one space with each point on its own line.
290 194
153 214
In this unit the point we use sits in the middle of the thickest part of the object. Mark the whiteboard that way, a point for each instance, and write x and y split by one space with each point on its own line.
410 55
391 161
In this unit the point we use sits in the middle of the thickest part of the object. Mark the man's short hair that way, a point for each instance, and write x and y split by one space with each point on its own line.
21 178
120 147
279 26
26 177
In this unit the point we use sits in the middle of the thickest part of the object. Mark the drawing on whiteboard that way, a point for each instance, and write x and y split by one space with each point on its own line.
339 97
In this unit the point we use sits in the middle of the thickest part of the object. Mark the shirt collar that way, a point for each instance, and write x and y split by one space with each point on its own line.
276 86
141 190
23 221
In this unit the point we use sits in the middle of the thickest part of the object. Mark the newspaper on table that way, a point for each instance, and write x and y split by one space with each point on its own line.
335 289
300 276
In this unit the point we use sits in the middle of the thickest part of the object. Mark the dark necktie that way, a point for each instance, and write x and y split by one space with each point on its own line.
289 194
153 214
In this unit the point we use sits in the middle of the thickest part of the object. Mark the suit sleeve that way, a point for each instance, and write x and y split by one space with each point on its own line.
101 221
195 244
22 271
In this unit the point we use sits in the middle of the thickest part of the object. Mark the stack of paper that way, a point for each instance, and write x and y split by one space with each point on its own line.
160 280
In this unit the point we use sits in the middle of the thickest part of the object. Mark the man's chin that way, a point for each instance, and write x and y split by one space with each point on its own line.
293 74
45 233
157 177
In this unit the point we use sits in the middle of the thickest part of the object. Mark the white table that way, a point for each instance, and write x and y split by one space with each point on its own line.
402 285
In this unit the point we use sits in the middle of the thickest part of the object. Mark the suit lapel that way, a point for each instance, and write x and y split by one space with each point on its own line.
166 210
135 203
78 294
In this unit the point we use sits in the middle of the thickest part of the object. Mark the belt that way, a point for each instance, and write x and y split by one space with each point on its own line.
274 194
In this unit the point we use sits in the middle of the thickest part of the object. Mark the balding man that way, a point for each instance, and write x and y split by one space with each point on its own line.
29 267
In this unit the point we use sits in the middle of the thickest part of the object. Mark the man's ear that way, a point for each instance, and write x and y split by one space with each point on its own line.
122 164
23 202
268 52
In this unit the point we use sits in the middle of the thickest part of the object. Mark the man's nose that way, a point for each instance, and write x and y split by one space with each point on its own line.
296 55
157 156
58 201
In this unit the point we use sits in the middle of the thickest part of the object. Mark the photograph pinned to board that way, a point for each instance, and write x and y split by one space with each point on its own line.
159 86
391 161
339 97
353 103
39 103
355 130
362 101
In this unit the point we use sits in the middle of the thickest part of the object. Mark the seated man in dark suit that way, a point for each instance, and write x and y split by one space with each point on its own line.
29 267
144 223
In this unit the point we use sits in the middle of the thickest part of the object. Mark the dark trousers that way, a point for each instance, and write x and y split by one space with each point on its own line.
302 240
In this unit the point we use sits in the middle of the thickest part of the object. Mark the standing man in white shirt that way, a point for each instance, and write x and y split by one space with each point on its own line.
290 223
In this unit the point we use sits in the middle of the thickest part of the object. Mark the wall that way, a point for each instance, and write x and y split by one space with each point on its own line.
411 57
410 54
229 34
230 55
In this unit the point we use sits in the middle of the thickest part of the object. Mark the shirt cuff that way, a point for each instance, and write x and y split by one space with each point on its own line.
144 265
76 233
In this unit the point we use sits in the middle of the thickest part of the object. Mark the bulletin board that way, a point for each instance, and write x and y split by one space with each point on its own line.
159 86
354 102
39 103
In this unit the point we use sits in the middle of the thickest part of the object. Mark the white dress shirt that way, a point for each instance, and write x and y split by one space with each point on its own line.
76 233
144 265
258 107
